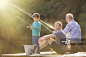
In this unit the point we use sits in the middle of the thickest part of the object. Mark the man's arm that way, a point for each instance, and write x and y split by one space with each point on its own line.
67 29
47 37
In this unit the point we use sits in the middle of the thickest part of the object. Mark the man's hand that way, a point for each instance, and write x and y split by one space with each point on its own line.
40 41
54 31
52 39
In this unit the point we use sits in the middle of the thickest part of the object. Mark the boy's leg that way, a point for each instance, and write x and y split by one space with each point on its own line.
37 45
35 42
38 49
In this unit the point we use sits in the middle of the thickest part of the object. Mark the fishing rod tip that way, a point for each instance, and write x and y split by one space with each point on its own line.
9 3
16 15
27 23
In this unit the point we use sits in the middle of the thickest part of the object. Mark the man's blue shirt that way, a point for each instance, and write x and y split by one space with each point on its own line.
74 30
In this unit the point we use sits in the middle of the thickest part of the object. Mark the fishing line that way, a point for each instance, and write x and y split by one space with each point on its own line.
29 24
30 15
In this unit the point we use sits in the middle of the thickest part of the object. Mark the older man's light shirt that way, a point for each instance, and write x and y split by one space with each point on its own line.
74 31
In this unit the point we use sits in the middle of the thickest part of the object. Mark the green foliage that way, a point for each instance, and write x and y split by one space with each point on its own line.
82 19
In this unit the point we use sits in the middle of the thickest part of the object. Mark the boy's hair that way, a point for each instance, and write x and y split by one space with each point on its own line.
60 23
70 15
36 15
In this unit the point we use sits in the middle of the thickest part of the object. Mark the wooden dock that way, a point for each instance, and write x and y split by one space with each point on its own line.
46 54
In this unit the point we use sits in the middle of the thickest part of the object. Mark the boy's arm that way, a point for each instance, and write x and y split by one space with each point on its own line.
28 26
31 26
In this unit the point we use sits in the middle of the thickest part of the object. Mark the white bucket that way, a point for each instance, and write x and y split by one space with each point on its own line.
29 49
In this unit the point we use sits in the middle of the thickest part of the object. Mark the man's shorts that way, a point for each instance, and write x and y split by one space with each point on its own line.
69 38
59 48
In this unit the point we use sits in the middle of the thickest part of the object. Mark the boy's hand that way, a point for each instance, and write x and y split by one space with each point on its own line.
31 27
27 26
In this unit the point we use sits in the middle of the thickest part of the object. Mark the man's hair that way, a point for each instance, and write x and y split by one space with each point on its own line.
60 23
69 15
36 15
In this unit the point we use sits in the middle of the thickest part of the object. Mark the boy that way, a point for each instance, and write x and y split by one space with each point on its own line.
55 44
35 27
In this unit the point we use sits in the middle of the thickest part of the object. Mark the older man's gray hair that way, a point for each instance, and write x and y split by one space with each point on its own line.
69 15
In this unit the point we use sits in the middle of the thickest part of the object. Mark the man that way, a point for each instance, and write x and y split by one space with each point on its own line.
55 44
72 29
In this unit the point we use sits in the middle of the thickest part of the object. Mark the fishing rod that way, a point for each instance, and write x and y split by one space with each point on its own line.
22 20
25 21
31 15
21 10
47 24
30 24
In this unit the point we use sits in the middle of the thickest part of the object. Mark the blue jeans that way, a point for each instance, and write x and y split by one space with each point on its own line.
35 41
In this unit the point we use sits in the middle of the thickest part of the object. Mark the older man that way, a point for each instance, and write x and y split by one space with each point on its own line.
72 29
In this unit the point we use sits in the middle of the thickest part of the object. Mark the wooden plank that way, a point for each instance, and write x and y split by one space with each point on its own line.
47 54
78 54
24 54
